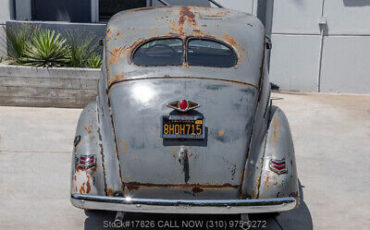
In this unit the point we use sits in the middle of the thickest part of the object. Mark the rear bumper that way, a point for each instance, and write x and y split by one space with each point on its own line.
183 206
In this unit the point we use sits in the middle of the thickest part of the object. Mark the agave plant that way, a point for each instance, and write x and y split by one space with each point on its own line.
94 61
16 40
46 49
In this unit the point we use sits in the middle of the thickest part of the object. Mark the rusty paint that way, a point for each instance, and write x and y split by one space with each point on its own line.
294 194
186 16
89 128
117 35
230 40
276 132
82 182
250 25
270 182
110 192
124 146
116 55
197 190
115 140
117 77
221 133
102 155
259 176
133 186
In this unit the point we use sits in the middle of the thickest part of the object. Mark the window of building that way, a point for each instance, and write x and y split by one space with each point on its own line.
108 8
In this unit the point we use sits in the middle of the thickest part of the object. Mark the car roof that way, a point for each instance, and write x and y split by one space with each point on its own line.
128 29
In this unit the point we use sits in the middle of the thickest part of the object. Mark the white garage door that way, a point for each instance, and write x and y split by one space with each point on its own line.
333 57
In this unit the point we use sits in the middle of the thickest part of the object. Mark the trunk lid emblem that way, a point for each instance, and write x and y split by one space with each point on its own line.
183 105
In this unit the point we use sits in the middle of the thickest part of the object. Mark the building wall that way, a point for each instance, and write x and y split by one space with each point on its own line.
321 45
5 14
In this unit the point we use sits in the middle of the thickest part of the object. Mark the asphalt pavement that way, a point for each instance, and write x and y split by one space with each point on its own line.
332 143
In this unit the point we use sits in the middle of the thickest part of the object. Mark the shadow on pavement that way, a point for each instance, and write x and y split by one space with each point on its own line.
297 219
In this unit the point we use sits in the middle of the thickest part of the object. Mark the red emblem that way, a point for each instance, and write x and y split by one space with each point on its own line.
183 105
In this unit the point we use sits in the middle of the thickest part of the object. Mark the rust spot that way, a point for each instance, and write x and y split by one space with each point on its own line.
186 16
117 35
116 55
117 77
270 182
110 192
132 186
221 133
124 146
102 155
230 40
88 186
89 128
197 190
82 182
294 194
250 25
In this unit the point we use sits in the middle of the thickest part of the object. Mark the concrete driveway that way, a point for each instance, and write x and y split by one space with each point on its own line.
332 142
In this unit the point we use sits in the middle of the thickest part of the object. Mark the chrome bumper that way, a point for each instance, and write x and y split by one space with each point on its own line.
183 206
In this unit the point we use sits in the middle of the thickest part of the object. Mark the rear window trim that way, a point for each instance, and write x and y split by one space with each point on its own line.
185 45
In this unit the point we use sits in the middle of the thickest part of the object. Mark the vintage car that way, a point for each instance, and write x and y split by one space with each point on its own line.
183 121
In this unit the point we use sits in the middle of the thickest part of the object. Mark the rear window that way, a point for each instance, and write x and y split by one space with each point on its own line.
210 53
160 52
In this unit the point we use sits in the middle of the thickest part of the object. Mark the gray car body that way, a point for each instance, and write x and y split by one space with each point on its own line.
244 132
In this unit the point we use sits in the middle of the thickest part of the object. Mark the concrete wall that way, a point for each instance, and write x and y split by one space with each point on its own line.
321 45
53 87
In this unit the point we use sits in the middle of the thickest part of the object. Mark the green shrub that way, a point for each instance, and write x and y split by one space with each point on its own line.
46 49
16 42
94 61
81 50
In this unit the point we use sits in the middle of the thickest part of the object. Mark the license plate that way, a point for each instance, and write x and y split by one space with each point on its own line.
182 127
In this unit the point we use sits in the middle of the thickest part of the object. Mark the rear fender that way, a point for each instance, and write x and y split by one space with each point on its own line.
279 173
87 180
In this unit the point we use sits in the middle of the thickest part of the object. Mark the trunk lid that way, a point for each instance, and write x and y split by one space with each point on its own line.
147 160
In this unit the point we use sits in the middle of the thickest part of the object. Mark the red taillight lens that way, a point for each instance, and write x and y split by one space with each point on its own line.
86 161
183 104
278 166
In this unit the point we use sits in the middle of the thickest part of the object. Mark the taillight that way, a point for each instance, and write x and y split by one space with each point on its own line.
86 161
278 166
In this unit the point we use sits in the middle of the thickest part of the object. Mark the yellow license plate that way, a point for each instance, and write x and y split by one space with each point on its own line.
182 129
